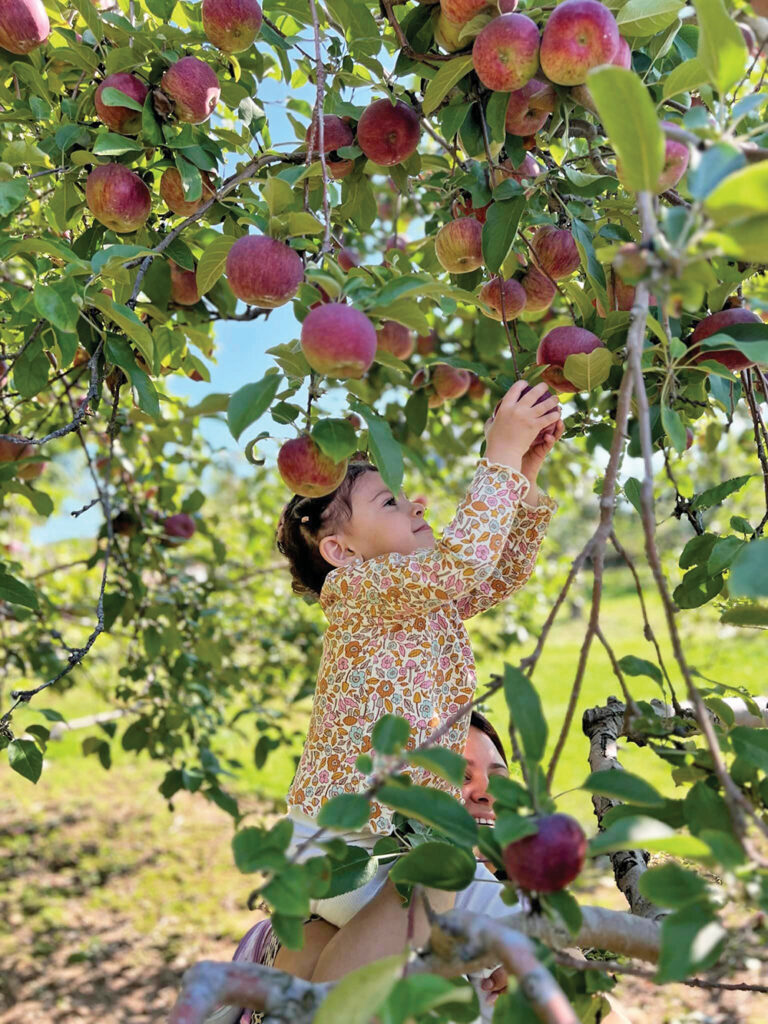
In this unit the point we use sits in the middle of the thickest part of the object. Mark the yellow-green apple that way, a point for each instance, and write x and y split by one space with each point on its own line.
306 470
555 251
528 108
231 25
458 245
121 119
555 347
183 286
24 25
505 54
16 450
172 193
263 271
512 296
539 291
551 858
718 323
388 134
449 381
579 35
447 32
462 11
348 258
462 207
117 197
338 341
194 89
396 339
178 528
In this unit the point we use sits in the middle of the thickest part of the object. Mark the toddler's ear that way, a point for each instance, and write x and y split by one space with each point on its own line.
334 550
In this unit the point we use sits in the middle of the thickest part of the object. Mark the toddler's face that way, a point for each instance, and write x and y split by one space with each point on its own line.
382 524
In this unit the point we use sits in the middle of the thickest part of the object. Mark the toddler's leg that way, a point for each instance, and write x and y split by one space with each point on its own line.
380 929
301 962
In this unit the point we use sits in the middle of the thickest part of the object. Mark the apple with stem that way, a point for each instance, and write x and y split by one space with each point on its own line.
231 25
555 347
387 133
505 54
579 35
459 245
549 860
193 88
24 25
306 470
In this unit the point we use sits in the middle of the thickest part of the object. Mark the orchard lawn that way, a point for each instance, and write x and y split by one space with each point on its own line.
107 895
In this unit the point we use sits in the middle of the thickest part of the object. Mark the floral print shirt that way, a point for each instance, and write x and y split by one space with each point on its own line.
396 641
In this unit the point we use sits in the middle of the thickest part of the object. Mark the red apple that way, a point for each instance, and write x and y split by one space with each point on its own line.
388 134
539 291
348 258
118 198
178 528
505 54
396 339
458 245
507 6
731 358
231 25
676 157
621 296
263 271
16 450
528 108
449 381
426 344
462 207
550 859
477 389
419 379
121 119
172 193
555 347
4 373
355 420
689 436
462 11
339 169
338 341
306 470
579 35
183 286
24 25
336 134
512 293
194 89
527 169
555 251
623 56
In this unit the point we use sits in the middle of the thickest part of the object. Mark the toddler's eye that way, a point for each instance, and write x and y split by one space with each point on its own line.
390 502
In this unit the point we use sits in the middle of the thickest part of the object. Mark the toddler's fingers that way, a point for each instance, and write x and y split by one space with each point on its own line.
549 407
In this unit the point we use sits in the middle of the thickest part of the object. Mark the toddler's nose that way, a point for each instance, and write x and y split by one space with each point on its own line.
418 505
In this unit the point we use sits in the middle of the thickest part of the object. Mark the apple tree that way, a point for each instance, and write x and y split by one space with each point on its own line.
478 192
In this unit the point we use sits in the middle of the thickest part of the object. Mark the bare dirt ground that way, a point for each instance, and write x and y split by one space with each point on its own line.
106 898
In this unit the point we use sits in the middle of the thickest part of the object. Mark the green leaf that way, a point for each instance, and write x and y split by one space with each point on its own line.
508 827
26 758
450 73
416 412
127 320
639 18
432 807
567 907
211 264
633 489
347 812
673 427
437 865
443 762
111 144
588 370
55 303
302 223
622 785
525 710
745 240
685 77
385 451
256 849
390 734
692 940
742 194
30 370
151 131
350 869
288 892
118 351
250 402
633 666
357 997
336 438
639 832
714 495
639 140
721 49
15 592
499 231
12 194
708 169
751 744
191 179
112 97
670 885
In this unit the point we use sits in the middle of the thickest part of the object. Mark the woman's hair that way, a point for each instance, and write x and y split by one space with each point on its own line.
481 722
305 521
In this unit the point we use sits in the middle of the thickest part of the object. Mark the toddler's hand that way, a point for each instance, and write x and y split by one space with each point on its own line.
517 421
495 985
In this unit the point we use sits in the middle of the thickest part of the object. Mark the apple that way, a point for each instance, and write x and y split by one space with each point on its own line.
348 258
449 381
396 339
447 32
194 89
306 470
24 25
118 198
172 193
760 7
420 378
183 286
477 389
555 251
631 263
579 35
121 119
555 347
231 25
426 344
462 11
462 207
338 341
676 157
4 373
458 245
178 528
336 134
528 168
507 6
539 291
513 295
623 56
553 857
505 54
689 436
354 420
395 242
339 169
528 108
263 271
388 134
732 359
17 449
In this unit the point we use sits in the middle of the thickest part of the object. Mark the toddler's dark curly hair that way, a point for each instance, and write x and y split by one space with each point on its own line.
305 521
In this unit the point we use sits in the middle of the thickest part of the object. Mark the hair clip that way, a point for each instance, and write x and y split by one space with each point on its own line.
305 519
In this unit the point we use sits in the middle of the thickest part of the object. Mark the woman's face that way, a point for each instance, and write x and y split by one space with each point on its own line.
483 761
